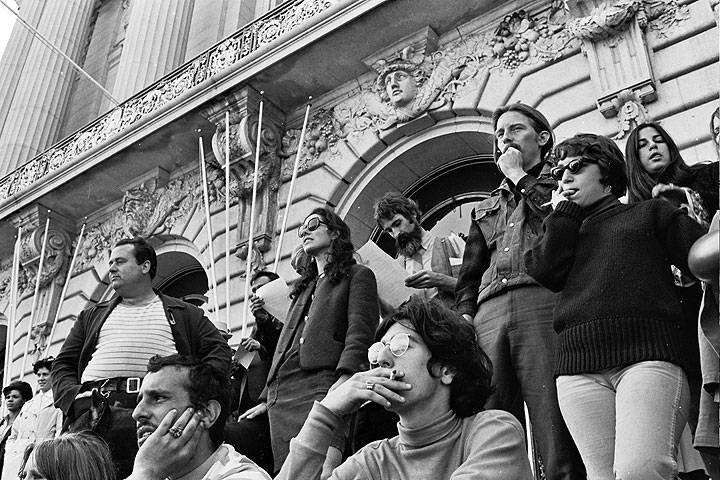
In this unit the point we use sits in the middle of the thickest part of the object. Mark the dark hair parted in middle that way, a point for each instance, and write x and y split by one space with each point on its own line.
453 343
642 182
601 151
393 203
340 253
204 383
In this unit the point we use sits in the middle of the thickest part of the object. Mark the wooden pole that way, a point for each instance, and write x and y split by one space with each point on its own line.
248 263
64 290
292 188
211 251
35 296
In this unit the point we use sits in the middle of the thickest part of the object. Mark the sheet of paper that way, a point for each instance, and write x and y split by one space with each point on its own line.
276 295
389 274
244 357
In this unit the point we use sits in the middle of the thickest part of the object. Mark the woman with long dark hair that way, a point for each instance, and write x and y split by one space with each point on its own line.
656 169
328 329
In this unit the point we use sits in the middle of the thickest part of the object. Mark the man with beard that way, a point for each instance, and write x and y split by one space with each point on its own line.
426 258
511 313
180 414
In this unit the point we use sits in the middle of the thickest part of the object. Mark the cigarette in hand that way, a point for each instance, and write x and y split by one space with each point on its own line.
546 204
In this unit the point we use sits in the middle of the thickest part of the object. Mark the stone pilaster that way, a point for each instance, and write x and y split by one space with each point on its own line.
16 54
35 115
154 44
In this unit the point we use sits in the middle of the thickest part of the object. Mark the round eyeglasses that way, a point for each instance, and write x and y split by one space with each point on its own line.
310 226
398 345
573 167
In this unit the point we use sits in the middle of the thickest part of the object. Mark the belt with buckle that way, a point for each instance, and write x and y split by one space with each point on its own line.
119 384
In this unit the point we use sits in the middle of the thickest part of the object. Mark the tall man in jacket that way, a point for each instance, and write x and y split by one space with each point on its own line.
511 313
108 349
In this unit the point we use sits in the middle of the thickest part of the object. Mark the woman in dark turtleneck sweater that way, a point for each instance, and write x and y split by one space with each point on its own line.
620 366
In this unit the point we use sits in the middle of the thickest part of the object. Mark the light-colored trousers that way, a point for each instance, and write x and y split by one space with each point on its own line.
627 422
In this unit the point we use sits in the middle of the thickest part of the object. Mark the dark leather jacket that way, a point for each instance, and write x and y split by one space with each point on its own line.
500 232
192 332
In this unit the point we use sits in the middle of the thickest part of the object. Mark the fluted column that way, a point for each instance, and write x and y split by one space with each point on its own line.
36 112
154 44
16 53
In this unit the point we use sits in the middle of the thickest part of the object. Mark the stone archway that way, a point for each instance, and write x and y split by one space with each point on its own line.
443 167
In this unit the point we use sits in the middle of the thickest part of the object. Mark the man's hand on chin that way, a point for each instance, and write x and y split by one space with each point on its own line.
169 449
510 164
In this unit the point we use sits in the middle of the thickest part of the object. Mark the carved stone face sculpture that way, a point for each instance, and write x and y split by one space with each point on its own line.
401 87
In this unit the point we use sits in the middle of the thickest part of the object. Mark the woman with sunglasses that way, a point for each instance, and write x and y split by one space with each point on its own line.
621 359
328 329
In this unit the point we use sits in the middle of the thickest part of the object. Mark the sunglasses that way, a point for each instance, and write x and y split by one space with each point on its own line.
310 226
573 167
398 345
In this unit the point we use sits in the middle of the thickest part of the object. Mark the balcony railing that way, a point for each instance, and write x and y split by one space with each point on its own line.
219 58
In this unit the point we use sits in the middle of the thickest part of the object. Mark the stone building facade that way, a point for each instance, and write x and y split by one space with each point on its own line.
402 94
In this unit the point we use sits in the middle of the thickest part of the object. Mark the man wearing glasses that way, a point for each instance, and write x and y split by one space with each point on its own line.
430 370
510 311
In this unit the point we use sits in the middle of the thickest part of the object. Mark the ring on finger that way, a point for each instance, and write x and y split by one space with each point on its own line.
369 386
175 432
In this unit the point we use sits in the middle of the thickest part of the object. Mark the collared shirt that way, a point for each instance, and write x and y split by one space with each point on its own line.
226 464
421 260
502 228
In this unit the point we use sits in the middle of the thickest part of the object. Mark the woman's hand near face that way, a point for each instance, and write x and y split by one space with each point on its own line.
379 385
556 197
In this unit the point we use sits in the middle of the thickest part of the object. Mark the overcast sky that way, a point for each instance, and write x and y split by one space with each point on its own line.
7 20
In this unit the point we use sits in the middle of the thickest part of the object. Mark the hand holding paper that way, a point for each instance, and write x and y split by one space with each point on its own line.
275 296
390 276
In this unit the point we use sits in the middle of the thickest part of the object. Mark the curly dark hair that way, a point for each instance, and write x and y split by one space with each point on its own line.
641 182
601 151
395 202
453 343
205 383
23 388
43 363
340 253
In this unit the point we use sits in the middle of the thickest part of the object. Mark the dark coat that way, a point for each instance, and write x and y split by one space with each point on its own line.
192 332
340 324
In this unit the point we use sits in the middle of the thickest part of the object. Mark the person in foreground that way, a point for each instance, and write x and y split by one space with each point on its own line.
432 372
620 363
73 456
181 412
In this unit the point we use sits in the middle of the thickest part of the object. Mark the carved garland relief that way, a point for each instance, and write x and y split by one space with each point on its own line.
413 81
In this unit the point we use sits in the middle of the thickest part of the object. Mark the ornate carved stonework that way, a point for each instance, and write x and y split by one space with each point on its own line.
613 38
147 103
147 209
631 112
244 117
612 18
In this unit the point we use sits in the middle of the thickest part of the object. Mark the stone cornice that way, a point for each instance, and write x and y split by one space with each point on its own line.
261 43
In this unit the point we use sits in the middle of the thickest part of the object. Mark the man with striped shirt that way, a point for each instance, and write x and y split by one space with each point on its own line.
111 342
